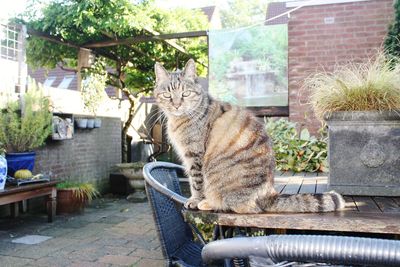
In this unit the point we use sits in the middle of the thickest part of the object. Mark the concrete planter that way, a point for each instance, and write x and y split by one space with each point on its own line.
364 154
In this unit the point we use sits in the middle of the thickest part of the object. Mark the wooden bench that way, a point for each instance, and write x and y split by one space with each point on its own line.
367 215
14 194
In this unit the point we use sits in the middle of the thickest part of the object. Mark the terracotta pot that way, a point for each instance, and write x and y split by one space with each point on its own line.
67 203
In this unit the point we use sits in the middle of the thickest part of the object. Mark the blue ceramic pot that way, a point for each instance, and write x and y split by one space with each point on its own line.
18 161
3 172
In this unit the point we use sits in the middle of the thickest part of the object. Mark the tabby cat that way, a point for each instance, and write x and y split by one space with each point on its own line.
225 150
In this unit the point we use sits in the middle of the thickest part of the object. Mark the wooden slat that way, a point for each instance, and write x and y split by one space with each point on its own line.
308 185
350 205
366 204
344 221
293 186
386 204
321 185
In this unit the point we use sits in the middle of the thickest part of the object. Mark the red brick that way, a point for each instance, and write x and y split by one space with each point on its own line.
358 31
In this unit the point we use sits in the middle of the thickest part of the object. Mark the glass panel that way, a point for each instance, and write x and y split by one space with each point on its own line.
248 67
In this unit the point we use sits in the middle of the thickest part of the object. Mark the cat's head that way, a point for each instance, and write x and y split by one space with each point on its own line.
178 93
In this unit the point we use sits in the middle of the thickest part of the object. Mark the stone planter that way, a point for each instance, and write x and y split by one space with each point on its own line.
364 153
134 173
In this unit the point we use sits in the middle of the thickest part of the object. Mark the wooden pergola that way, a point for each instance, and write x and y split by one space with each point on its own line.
97 48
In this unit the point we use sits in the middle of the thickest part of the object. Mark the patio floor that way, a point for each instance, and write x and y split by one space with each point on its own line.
111 232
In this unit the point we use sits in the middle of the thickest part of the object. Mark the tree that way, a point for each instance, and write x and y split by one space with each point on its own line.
392 42
61 27
243 13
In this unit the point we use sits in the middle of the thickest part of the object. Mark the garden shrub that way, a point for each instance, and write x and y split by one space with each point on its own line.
27 128
297 151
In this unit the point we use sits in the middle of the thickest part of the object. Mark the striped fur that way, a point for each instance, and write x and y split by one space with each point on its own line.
226 152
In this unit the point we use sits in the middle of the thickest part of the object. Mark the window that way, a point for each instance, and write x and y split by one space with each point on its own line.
9 42
49 81
66 82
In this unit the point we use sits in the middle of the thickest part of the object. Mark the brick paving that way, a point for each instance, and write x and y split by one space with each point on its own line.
111 232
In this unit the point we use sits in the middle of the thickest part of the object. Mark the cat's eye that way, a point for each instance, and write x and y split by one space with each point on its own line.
186 93
166 95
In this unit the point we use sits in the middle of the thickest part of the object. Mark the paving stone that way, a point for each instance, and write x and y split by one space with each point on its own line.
119 250
56 231
112 219
89 264
146 253
8 261
119 260
102 236
89 230
149 263
7 248
89 253
111 241
52 261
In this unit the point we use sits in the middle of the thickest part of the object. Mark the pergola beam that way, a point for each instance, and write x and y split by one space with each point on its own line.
128 41
146 38
51 38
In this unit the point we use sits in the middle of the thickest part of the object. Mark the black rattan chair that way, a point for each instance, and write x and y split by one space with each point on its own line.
178 242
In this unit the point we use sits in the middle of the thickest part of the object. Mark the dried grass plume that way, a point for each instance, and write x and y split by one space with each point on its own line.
370 86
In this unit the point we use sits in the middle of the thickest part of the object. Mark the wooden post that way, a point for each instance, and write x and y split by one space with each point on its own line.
52 205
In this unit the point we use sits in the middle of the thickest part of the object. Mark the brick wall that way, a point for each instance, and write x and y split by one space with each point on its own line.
316 42
87 157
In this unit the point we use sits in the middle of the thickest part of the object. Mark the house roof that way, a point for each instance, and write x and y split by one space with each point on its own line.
208 11
57 76
274 9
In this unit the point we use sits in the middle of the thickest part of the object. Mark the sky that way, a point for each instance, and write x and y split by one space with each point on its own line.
11 7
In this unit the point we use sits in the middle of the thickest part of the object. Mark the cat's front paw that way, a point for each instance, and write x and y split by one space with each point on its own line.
192 203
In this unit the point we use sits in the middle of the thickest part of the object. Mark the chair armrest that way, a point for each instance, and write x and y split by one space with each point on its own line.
324 249
158 186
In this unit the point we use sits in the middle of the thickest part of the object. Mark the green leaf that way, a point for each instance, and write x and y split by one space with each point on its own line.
305 134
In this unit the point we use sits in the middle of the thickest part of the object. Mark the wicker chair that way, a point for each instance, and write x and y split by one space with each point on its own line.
177 237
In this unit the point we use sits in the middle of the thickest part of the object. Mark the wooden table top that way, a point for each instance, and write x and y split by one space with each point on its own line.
12 189
362 214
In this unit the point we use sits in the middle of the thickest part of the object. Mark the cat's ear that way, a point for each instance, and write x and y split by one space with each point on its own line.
189 72
161 73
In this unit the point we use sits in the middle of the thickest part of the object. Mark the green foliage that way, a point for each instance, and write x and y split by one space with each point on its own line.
265 45
392 41
24 129
294 151
82 22
373 85
82 191
93 87
243 13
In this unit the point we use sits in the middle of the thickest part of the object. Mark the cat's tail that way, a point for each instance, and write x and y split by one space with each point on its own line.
325 202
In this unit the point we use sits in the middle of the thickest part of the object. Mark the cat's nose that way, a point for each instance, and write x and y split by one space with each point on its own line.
177 105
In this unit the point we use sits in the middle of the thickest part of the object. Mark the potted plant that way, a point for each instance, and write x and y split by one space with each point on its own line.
361 104
25 124
73 196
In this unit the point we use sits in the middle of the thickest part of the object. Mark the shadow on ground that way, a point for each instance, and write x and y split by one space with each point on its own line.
111 232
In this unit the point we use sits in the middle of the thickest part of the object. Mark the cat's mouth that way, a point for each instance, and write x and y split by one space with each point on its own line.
177 113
